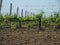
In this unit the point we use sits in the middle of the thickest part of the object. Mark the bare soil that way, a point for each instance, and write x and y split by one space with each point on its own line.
29 37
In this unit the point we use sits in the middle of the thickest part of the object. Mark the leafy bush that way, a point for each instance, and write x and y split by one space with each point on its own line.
58 21
13 25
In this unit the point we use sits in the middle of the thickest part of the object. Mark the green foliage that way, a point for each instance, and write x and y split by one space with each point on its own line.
1 18
14 16
21 19
1 21
13 25
38 18
7 17
2 24
56 14
58 21
45 22
40 14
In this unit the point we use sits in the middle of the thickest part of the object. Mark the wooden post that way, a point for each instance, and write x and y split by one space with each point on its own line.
10 13
25 13
17 10
40 18
22 13
11 9
31 14
40 22
28 14
20 23
0 5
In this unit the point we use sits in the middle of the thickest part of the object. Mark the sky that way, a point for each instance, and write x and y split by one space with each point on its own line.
35 6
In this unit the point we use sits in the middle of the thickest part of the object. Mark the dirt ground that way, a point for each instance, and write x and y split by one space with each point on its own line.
29 37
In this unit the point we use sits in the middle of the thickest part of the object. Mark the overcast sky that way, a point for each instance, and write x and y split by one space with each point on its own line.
31 5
